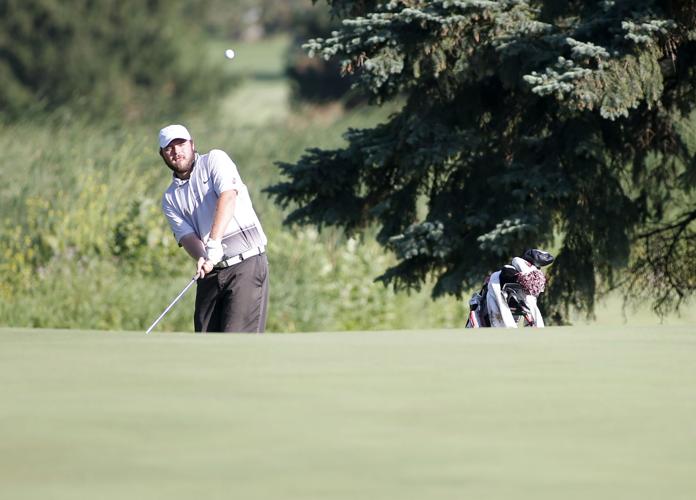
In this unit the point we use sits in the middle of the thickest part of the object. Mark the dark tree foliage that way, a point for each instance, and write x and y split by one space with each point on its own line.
562 125
122 56
312 79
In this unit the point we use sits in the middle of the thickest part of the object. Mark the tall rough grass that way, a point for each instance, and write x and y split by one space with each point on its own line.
83 243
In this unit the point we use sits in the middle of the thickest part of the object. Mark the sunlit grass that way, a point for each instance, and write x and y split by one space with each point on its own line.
566 413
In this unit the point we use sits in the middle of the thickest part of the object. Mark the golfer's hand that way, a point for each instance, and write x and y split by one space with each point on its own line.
203 267
214 251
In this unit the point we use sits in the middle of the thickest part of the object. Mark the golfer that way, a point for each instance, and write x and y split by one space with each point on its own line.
209 210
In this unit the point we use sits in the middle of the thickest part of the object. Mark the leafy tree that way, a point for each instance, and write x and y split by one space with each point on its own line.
558 124
126 56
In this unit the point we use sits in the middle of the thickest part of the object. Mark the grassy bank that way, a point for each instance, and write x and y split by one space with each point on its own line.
577 413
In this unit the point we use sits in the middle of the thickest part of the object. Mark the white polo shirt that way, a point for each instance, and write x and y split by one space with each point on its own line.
189 205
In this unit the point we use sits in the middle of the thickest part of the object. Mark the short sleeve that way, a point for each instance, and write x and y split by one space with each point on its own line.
223 172
177 223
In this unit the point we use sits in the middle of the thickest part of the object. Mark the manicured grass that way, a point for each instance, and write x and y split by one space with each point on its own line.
563 413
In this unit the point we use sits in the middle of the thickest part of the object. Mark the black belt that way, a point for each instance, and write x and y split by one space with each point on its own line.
239 258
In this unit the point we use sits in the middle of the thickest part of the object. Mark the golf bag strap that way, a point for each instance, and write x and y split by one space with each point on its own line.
536 314
498 311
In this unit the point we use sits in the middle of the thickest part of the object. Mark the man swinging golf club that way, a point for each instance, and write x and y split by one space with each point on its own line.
210 213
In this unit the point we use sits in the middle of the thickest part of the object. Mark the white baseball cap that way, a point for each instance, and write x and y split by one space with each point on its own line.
171 132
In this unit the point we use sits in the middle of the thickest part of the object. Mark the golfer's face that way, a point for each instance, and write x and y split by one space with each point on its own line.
179 155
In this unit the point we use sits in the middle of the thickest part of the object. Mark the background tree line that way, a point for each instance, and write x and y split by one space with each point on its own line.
133 58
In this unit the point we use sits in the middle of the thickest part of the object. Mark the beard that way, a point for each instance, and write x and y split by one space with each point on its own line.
181 166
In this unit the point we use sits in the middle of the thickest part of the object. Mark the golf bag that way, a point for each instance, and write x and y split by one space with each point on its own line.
511 294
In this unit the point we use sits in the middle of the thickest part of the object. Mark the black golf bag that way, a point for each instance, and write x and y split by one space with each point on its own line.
513 293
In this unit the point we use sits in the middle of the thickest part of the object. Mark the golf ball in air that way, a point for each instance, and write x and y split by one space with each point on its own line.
229 54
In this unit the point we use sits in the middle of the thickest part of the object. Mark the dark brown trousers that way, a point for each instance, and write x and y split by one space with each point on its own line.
233 299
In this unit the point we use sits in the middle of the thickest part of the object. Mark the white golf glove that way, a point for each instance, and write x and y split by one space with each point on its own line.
214 251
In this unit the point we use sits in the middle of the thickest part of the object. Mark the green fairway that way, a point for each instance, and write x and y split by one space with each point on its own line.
581 413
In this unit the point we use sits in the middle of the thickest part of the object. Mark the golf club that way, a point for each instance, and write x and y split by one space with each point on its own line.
193 280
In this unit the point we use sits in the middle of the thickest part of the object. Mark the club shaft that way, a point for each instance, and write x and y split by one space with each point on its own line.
193 280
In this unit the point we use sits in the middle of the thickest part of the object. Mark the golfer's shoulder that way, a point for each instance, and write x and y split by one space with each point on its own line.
169 192
218 155
168 199
219 161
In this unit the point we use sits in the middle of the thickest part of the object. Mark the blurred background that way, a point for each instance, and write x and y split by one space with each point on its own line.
85 87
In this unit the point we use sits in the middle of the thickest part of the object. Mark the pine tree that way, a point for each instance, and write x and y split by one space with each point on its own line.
525 123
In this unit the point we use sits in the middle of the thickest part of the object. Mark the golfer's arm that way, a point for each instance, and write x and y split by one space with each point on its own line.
193 245
224 211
